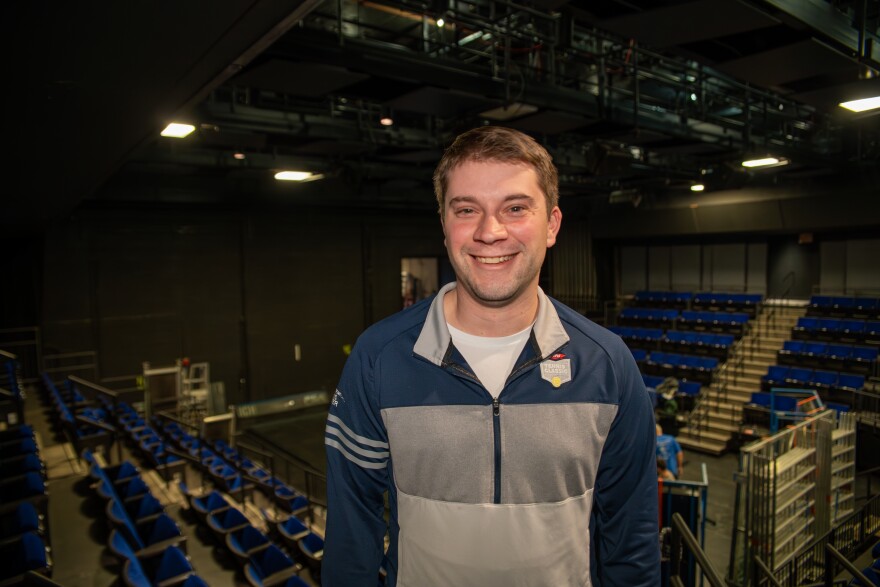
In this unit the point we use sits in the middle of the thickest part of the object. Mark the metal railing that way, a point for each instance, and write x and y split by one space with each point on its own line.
27 345
684 543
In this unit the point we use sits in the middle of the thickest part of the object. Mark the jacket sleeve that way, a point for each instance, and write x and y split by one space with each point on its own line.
624 524
356 444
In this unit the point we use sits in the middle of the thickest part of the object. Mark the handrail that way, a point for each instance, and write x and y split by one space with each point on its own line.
829 568
681 533
765 570
8 355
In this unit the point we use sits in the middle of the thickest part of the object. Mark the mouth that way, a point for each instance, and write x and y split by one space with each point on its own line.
493 260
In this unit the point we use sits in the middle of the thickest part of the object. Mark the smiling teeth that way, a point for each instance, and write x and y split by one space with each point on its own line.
494 260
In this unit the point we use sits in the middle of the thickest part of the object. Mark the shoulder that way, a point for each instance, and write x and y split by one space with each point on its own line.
401 326
584 331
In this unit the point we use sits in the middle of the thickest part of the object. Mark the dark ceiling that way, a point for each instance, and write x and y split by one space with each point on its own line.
633 97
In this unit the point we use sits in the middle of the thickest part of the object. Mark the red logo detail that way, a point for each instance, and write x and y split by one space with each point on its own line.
557 356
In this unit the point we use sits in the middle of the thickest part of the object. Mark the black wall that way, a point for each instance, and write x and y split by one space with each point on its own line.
792 268
239 290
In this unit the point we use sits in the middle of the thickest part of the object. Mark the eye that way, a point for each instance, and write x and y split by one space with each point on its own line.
517 209
464 211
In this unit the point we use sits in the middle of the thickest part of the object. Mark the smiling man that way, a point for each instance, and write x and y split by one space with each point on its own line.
514 437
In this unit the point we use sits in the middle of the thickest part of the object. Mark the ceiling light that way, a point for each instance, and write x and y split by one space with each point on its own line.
177 130
239 156
762 162
862 105
693 97
386 121
697 187
440 22
509 112
294 175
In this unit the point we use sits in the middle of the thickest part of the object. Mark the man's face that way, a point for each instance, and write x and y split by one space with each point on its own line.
497 230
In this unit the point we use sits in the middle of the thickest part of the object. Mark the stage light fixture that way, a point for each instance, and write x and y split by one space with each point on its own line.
177 130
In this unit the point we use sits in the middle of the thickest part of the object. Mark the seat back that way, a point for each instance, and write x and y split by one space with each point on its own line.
173 564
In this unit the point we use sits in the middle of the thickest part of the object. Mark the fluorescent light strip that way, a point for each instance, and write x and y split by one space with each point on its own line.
761 162
861 105
697 187
177 130
293 175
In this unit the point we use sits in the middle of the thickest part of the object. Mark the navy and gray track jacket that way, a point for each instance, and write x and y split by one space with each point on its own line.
553 484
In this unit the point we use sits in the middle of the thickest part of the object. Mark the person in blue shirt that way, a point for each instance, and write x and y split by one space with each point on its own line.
670 451
512 437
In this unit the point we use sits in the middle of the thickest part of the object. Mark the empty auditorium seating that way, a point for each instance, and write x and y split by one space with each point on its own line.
735 323
847 331
246 543
835 357
867 308
26 552
698 343
647 317
831 385
727 302
662 299
690 367
641 338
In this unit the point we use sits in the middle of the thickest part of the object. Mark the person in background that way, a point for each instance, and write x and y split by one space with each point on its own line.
670 451
514 438
663 473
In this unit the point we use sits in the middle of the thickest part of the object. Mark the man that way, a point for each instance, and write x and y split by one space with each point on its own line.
670 451
514 437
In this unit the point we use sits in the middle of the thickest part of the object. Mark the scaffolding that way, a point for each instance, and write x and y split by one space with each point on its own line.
792 487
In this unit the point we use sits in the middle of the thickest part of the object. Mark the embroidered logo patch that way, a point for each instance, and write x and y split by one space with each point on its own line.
557 356
337 397
556 372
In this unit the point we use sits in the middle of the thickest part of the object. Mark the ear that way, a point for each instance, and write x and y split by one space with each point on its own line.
553 225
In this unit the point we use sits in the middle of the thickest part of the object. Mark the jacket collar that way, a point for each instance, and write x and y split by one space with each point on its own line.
434 339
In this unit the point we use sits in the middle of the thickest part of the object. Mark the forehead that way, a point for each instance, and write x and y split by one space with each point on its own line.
485 177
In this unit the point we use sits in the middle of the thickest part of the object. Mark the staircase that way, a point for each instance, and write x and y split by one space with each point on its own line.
718 413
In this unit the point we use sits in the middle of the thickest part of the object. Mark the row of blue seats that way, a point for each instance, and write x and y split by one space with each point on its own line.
704 298
261 559
24 534
652 382
720 322
225 465
835 329
844 306
76 418
145 539
687 337
835 357
688 367
843 383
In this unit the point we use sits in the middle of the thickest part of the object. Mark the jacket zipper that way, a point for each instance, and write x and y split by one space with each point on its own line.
496 427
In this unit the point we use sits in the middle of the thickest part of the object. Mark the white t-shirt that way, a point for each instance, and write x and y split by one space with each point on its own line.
492 358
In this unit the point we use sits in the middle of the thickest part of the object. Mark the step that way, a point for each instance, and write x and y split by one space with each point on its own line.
706 435
722 425
723 407
702 445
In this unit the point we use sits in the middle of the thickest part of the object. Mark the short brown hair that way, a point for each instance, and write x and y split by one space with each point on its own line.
497 143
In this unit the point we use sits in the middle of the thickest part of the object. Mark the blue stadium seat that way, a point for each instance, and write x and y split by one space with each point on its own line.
311 550
226 521
824 379
173 568
27 553
847 381
269 566
689 388
245 543
291 530
797 375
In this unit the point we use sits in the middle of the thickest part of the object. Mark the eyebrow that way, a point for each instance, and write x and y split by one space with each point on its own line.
473 199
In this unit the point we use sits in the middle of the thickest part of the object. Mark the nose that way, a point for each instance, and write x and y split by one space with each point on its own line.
490 230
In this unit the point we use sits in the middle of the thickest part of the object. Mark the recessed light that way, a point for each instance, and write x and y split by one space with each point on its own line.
177 130
697 187
440 22
386 121
764 162
862 105
239 156
293 175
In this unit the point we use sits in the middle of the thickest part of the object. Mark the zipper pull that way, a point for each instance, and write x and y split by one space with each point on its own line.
495 406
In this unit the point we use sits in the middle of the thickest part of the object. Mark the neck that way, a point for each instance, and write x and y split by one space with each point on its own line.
469 315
